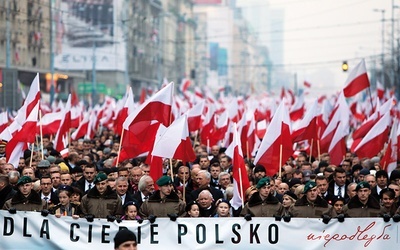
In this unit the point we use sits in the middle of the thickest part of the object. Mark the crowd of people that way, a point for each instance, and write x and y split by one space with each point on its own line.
86 184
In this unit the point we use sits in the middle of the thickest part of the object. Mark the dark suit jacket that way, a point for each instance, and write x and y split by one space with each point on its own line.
128 198
81 185
216 193
331 191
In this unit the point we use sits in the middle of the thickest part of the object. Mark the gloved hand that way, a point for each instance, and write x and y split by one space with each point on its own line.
396 217
326 218
247 217
12 210
44 212
119 220
89 217
277 218
152 218
287 218
340 217
111 218
140 221
172 217
386 217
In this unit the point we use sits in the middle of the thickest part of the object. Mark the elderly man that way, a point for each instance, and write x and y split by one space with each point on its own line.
206 204
262 203
135 174
101 201
311 205
363 204
121 187
25 199
203 180
163 202
146 189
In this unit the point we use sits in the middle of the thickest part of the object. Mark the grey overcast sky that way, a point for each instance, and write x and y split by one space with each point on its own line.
320 34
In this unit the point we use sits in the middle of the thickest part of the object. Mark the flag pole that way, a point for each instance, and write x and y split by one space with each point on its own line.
172 169
319 151
241 185
247 150
280 160
119 148
184 188
312 142
41 133
370 99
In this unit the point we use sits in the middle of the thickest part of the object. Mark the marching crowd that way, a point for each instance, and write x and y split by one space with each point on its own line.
86 184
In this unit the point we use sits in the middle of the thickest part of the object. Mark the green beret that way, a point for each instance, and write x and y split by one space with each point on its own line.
100 177
363 184
23 180
263 182
164 180
308 186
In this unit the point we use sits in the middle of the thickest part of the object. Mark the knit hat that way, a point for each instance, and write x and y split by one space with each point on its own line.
63 167
364 171
189 205
259 168
291 194
308 186
23 180
51 159
43 164
66 188
223 201
164 180
122 236
263 182
363 184
100 177
129 203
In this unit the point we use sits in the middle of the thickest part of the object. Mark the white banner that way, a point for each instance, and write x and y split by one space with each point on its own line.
30 230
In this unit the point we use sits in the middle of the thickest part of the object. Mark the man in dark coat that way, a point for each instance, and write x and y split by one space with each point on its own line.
87 181
203 179
163 202
6 190
338 186
363 204
101 201
311 205
26 199
262 203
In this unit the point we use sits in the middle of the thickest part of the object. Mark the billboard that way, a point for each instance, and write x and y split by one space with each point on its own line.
85 30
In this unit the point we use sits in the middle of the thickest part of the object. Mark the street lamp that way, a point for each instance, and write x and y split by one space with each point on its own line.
383 43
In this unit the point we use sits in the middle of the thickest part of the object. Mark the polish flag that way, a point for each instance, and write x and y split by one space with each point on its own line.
380 90
194 116
375 139
175 142
185 84
128 108
240 179
261 128
50 123
276 146
61 140
357 80
26 134
3 120
307 127
81 131
30 102
297 110
389 159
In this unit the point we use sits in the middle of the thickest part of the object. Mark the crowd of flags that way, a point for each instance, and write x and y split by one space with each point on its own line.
268 128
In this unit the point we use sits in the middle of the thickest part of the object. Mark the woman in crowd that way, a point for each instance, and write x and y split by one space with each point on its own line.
387 197
192 209
223 208
288 200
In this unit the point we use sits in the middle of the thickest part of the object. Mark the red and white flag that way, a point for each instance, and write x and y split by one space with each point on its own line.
194 116
389 159
357 80
380 90
375 139
185 84
297 110
26 134
240 179
175 142
81 131
276 146
62 137
50 123
307 127
128 108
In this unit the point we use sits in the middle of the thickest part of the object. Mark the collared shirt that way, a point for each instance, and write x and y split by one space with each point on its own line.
88 185
342 190
123 198
144 197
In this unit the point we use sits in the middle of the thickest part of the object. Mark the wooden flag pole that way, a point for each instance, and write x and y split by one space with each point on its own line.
247 150
319 151
370 99
172 169
280 161
241 185
119 148
312 142
41 133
